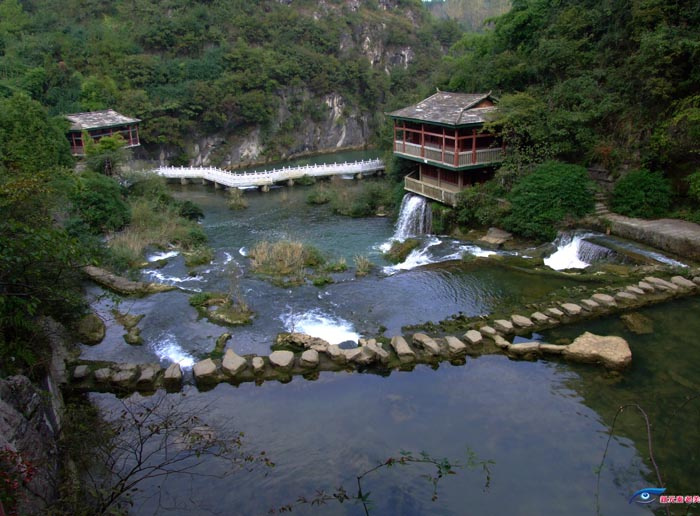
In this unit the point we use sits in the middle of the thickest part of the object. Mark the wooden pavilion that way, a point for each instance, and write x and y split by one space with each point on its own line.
98 124
444 134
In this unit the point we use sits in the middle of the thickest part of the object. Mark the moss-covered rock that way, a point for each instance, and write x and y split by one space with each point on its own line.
91 329
400 250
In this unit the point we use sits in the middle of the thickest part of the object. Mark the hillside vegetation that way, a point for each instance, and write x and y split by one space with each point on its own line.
472 15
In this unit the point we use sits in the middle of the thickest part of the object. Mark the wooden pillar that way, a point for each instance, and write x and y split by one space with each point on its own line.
422 140
443 145
456 156
403 124
393 143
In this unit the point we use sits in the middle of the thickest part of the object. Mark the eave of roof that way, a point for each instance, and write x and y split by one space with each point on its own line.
448 109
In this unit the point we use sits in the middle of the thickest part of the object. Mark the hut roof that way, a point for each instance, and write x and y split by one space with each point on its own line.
96 119
450 109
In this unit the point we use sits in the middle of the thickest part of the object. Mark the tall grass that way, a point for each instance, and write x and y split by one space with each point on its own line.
284 258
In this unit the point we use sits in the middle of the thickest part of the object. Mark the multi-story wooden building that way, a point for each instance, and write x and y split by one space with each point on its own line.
98 124
444 134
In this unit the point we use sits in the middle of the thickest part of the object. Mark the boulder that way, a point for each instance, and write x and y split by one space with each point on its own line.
298 342
91 329
613 352
380 353
521 321
81 372
103 375
524 348
147 377
501 342
625 297
503 326
427 343
258 365
336 354
309 358
173 376
125 376
402 349
660 284
232 364
473 337
634 290
204 370
360 355
646 287
683 282
496 237
696 280
455 346
638 323
571 309
282 359
603 299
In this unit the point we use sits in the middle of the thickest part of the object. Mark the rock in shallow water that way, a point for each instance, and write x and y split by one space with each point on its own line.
282 359
613 352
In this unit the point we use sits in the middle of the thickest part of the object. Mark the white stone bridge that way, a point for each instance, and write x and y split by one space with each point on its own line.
265 178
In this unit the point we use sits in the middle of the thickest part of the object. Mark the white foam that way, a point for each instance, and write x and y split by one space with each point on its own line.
475 250
243 251
170 280
322 325
416 258
162 256
227 258
167 348
566 256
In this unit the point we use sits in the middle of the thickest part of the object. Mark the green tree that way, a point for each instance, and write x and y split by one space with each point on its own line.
641 193
106 155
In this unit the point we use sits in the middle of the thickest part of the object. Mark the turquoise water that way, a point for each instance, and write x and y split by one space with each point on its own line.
543 423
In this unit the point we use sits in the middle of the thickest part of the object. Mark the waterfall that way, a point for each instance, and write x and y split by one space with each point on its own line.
415 217
575 252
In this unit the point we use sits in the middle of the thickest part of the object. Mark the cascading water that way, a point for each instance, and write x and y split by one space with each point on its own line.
415 217
575 252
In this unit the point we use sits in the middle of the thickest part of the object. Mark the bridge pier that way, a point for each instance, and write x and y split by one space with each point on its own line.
204 182
217 186
359 176
290 182
265 188
184 181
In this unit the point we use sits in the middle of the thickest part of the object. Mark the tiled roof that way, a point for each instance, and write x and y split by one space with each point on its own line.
448 108
95 119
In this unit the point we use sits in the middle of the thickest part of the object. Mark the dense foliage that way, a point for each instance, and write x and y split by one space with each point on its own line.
552 193
221 66
641 193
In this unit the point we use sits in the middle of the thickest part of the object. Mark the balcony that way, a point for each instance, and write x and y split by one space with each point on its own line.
446 194
447 158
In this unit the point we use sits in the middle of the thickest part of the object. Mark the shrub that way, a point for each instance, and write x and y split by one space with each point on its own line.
321 194
479 206
541 200
641 193
190 211
284 258
236 200
400 250
362 265
98 202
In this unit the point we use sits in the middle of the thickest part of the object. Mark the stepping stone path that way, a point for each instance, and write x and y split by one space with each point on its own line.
455 346
233 363
589 304
521 321
282 359
571 308
539 317
473 337
554 312
503 326
488 331
258 365
682 282
309 358
403 350
427 343
603 299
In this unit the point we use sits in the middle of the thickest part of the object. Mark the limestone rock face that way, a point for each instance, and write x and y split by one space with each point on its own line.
232 364
427 343
403 350
282 359
613 352
91 329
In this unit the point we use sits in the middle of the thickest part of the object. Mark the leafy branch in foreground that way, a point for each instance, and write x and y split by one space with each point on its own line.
146 439
441 468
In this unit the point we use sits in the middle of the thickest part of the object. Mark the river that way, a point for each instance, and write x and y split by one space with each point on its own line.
543 423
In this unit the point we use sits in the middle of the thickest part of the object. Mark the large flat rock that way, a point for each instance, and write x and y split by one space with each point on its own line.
613 352
403 350
282 359
233 363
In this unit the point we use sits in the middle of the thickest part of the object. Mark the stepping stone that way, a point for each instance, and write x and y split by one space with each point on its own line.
456 346
488 331
589 304
524 348
427 343
80 372
204 369
473 337
233 363
571 308
635 290
554 312
660 284
403 350
646 287
625 297
336 354
539 317
612 352
309 358
283 360
379 351
124 377
553 349
147 378
501 342
361 355
258 365
696 280
503 326
173 376
683 282
603 299
521 321
102 375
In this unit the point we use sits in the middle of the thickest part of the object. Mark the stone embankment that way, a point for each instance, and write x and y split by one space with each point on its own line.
300 354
